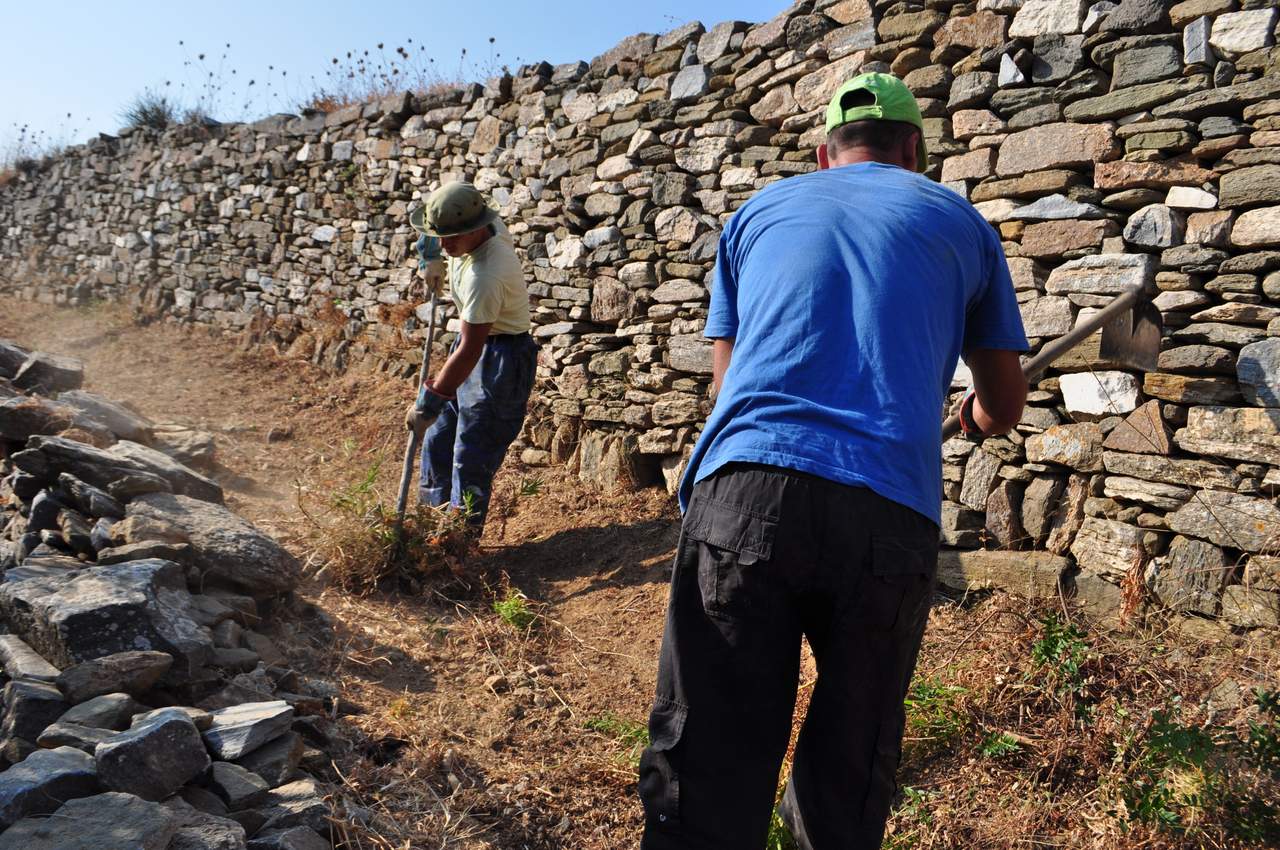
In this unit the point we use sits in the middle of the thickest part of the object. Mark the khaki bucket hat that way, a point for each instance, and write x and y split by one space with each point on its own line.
452 209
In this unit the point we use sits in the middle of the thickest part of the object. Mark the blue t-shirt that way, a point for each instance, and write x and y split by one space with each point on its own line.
850 294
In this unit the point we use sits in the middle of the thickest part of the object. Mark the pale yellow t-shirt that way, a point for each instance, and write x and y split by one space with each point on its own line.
488 285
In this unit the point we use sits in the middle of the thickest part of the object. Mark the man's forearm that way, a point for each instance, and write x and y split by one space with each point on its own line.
456 369
721 354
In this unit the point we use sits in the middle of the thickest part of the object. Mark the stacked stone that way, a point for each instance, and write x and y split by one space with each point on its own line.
1111 144
140 706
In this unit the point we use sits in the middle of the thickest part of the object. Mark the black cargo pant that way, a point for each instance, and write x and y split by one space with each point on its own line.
768 555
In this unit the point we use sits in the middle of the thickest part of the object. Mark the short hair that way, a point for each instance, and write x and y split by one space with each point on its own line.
873 133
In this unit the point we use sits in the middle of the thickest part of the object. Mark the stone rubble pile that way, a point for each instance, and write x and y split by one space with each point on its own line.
141 706
1111 144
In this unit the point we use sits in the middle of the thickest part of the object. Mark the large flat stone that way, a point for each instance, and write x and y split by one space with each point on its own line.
119 476
22 662
1102 274
1032 574
132 672
1127 101
224 545
241 729
1229 519
1182 472
1248 434
1056 146
1100 393
1190 577
114 417
103 610
183 479
1076 446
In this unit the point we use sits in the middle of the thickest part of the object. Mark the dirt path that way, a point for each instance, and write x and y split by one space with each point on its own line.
594 568
1022 730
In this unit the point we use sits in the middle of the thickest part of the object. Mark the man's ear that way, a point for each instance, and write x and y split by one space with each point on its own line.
824 157
910 152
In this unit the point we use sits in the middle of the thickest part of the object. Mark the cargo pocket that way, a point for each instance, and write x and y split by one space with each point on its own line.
901 582
734 546
659 764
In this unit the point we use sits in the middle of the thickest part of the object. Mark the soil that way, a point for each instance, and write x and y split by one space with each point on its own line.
472 733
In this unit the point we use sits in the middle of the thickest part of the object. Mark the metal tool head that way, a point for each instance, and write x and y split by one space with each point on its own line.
1132 339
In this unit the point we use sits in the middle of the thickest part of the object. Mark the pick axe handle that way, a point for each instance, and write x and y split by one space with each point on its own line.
415 439
1060 346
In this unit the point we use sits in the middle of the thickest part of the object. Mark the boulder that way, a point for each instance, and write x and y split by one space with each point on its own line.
1143 432
224 545
297 838
111 821
299 803
110 711
1056 146
29 707
49 374
275 760
104 610
63 734
154 758
44 781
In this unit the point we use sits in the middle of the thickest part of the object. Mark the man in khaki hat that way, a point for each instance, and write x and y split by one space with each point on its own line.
474 407
840 304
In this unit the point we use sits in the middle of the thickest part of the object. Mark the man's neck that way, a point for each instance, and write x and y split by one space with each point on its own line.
852 156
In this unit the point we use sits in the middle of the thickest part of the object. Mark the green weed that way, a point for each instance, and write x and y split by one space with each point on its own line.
1060 654
1183 776
998 744
529 486
514 610
630 734
932 712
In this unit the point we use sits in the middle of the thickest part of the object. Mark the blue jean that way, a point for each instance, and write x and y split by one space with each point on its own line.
465 446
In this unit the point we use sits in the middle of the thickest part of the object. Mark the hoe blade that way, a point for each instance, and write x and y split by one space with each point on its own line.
1132 339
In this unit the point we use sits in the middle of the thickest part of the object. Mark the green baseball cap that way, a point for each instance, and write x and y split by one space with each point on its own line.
893 102
452 209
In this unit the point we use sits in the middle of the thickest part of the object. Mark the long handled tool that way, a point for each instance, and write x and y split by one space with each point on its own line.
415 441
1131 329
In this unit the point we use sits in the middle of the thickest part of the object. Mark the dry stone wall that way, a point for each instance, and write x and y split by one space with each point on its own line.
1110 144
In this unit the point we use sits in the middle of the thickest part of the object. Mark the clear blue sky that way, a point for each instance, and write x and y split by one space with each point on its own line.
89 57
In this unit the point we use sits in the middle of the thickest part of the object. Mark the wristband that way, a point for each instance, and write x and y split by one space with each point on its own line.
430 401
968 425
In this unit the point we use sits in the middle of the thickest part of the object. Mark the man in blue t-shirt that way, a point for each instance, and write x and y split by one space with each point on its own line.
841 302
